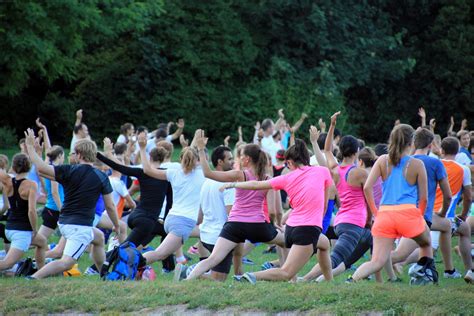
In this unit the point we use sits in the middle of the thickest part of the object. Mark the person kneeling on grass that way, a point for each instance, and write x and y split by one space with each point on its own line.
82 186
307 188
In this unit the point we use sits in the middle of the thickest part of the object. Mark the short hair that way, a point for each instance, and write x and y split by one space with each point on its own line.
381 149
141 129
450 145
87 149
337 132
21 141
125 127
161 133
3 162
21 163
120 148
322 140
462 133
54 152
219 154
267 123
158 154
423 138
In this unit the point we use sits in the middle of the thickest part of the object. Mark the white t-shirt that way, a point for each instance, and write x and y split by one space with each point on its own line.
119 189
463 159
150 144
168 165
73 142
213 206
271 147
121 139
186 190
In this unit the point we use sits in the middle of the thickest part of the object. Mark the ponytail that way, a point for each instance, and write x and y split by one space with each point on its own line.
298 153
368 157
259 159
54 153
189 158
400 138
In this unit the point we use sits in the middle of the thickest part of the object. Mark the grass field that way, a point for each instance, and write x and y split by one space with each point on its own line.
87 294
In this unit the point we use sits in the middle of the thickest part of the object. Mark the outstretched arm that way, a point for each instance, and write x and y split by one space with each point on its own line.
298 124
221 176
32 215
422 114
147 168
331 161
314 135
47 141
179 131
249 185
42 167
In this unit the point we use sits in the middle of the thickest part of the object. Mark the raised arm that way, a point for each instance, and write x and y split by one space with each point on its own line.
314 135
147 168
43 168
47 141
78 118
221 176
300 122
422 115
331 161
451 125
179 131
280 121
249 185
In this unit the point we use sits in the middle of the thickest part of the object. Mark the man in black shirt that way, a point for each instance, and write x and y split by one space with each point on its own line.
82 186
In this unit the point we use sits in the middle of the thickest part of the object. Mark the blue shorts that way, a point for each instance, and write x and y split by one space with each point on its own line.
179 226
20 239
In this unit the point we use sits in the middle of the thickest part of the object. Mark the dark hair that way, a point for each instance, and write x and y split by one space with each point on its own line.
266 123
259 159
400 138
21 141
21 163
219 154
462 133
423 138
78 128
54 152
348 145
322 140
361 143
141 129
298 153
161 133
450 145
120 148
163 126
381 149
368 157
124 128
337 132
158 154
276 134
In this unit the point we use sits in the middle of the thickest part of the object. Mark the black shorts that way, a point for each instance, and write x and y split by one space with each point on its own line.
255 232
224 265
302 236
3 235
330 233
428 223
50 218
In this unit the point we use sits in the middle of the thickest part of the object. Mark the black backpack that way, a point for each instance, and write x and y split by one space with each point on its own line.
25 268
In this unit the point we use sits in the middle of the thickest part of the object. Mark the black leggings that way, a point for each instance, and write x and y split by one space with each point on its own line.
144 229
348 236
364 244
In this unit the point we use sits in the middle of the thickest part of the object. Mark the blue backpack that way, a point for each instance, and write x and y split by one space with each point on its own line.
122 263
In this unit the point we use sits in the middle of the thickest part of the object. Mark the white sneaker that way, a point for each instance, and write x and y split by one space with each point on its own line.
113 242
91 271
454 275
469 277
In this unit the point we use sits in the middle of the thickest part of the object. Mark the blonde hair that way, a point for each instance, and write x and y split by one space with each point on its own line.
87 149
167 146
400 138
189 158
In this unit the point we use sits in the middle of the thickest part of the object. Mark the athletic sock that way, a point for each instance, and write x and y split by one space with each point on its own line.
423 261
450 271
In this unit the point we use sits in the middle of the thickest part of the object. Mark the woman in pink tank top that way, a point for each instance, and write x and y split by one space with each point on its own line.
246 220
352 216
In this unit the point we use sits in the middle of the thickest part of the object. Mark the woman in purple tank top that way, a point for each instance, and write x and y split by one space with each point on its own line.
246 219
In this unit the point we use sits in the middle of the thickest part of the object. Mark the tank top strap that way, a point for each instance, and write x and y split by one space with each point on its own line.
16 187
346 176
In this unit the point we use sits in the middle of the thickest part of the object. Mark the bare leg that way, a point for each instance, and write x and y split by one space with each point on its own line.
12 257
57 251
237 259
465 245
40 242
220 251
97 248
45 231
170 245
382 248
55 267
443 225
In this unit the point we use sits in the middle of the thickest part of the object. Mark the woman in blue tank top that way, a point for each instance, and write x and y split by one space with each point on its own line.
404 184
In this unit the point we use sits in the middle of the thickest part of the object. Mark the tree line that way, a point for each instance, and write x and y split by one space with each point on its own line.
221 64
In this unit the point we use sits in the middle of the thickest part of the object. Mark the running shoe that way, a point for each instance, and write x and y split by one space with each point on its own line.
250 278
238 278
454 275
350 280
114 242
396 280
91 271
180 272
193 250
166 271
267 266
246 260
469 277
423 274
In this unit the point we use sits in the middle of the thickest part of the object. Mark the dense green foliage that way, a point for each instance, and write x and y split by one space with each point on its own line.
220 64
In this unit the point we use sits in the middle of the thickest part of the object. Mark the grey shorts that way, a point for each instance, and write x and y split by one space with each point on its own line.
179 226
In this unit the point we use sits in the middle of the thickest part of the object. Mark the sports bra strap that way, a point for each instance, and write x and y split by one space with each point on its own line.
347 173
